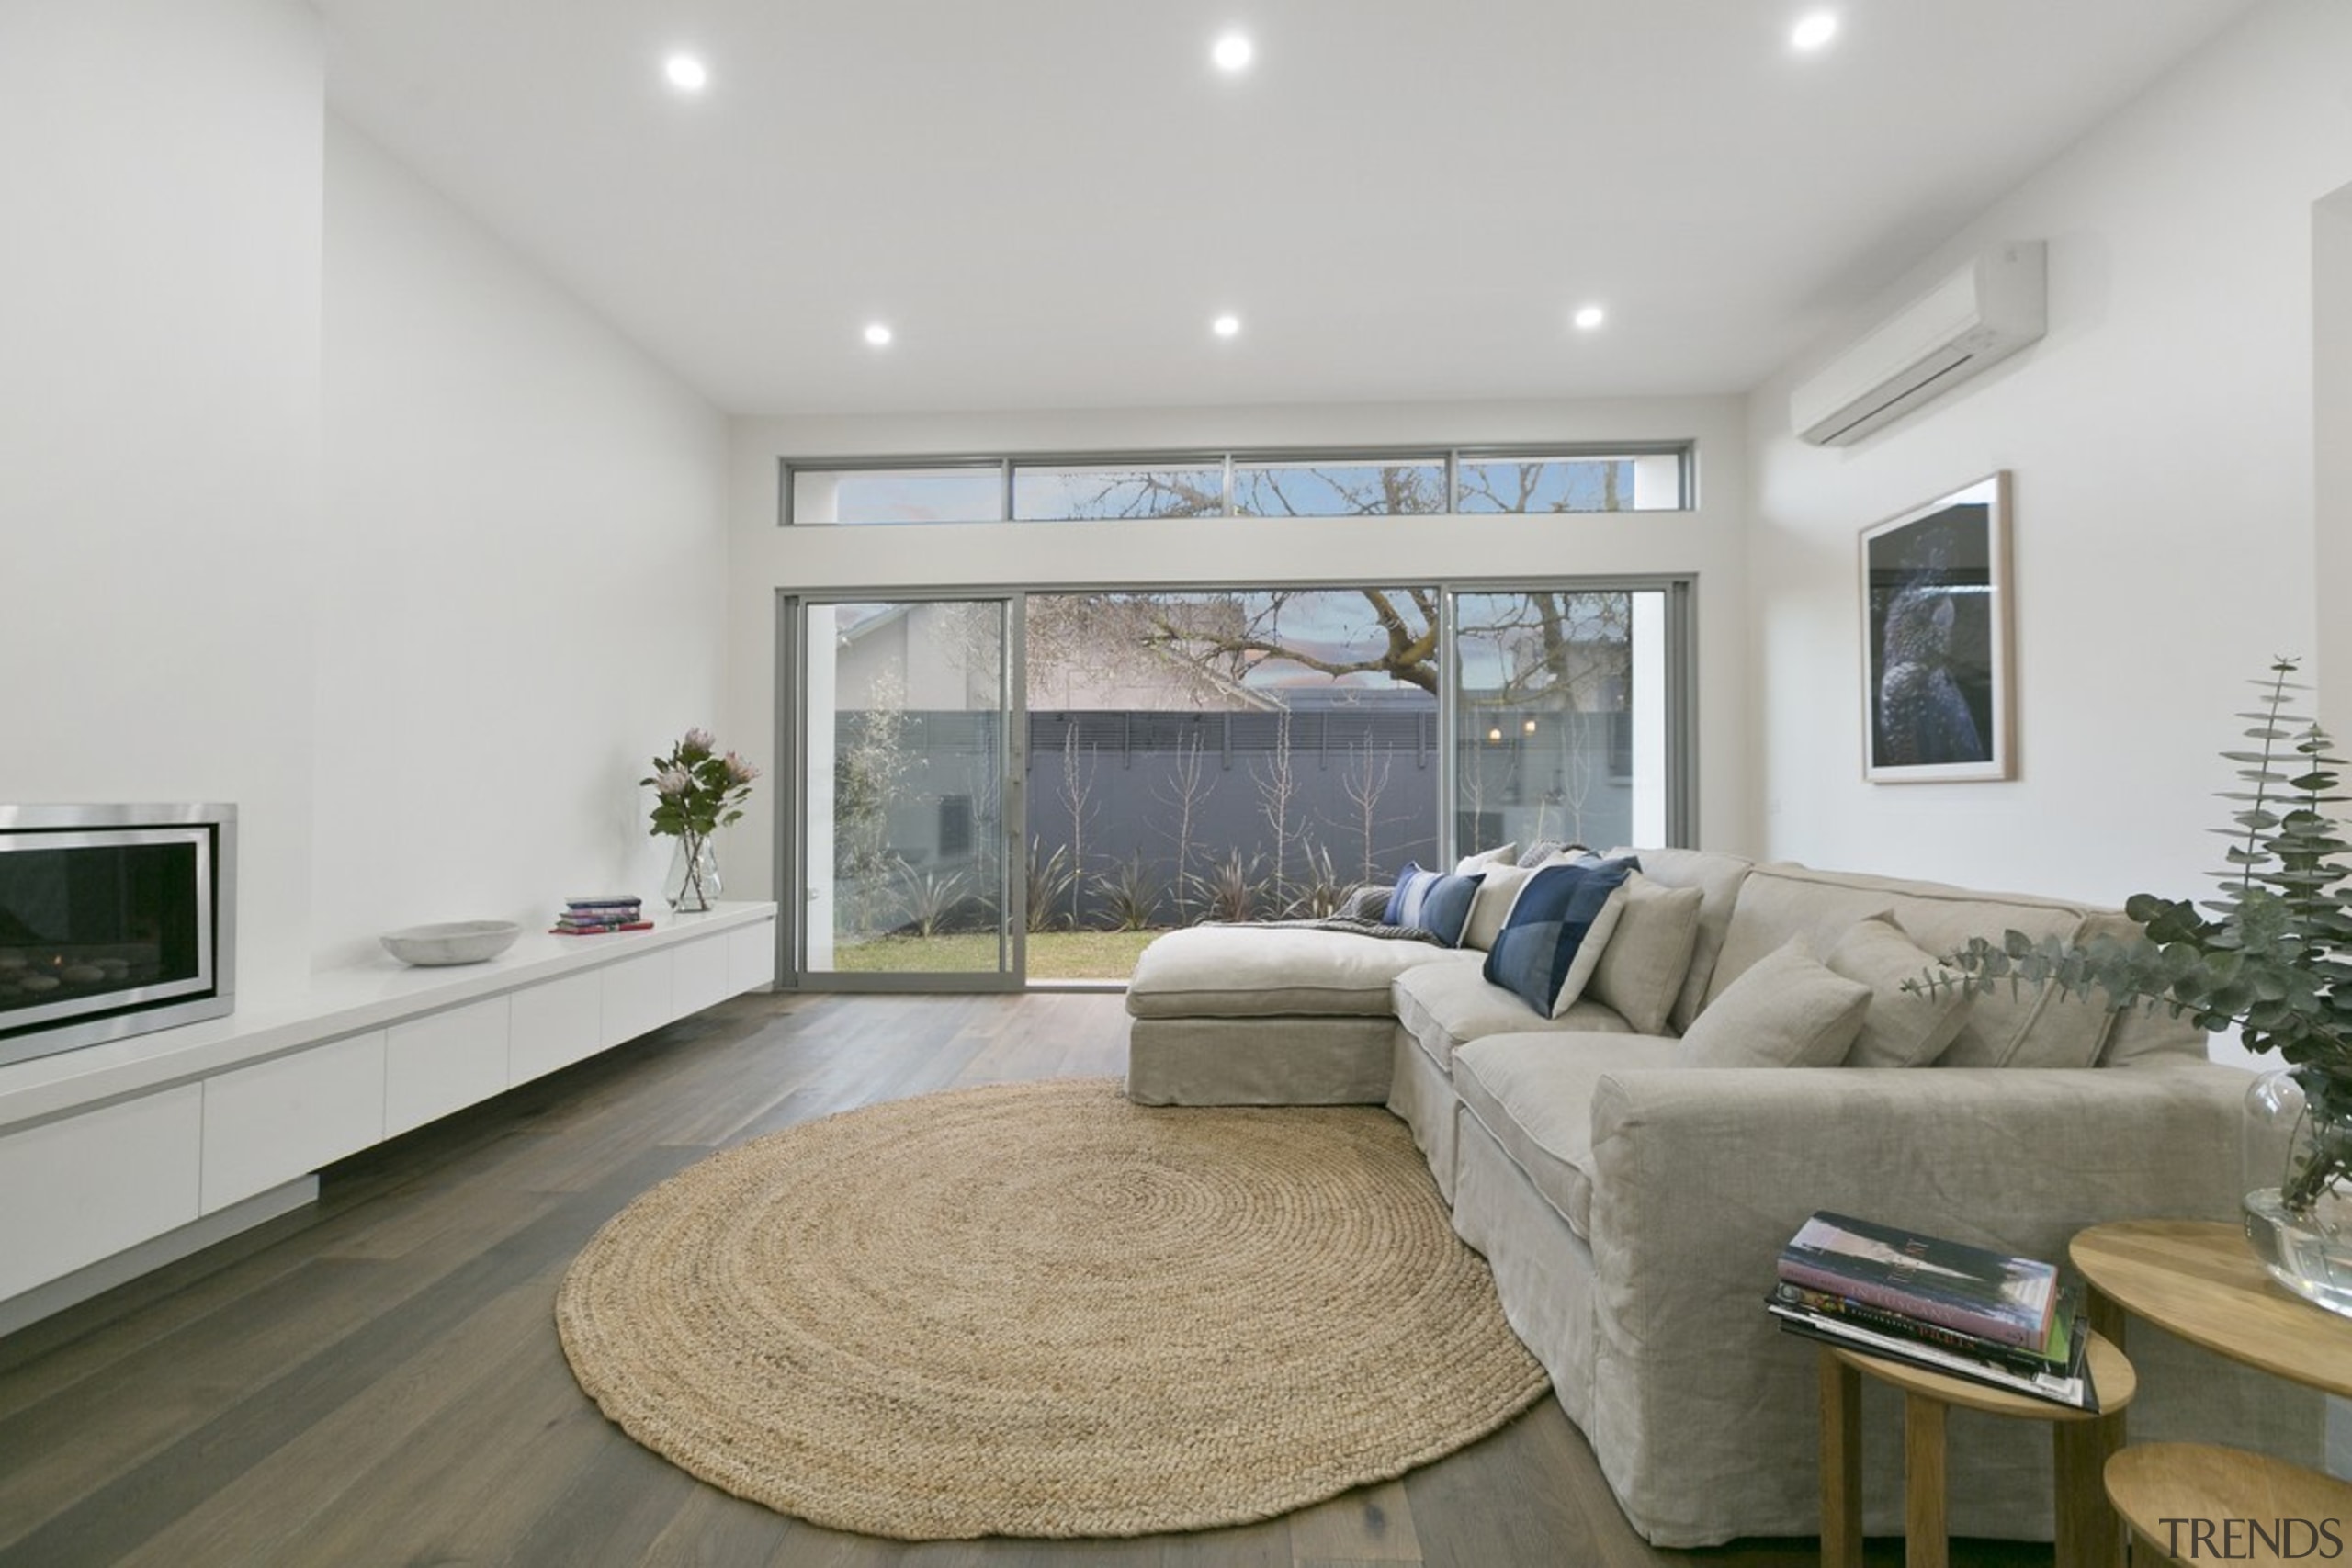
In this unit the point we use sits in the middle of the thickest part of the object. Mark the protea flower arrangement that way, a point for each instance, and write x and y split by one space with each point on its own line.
696 791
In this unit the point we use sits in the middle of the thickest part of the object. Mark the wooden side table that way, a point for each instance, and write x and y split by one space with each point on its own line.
2196 1503
2086 1534
2199 1280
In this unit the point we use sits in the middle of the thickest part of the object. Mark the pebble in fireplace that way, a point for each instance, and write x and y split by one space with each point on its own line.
30 973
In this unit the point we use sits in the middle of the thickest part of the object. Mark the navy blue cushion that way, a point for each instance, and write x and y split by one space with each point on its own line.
1557 907
1436 902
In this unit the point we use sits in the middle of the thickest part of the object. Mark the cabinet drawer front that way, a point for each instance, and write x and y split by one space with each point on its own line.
636 997
444 1063
699 975
89 1186
284 1118
751 958
555 1025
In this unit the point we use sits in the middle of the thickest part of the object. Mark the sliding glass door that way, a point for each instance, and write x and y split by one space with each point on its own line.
903 740
995 791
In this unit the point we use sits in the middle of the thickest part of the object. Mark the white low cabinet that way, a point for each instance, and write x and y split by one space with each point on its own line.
284 1118
86 1187
443 1063
555 1025
167 1142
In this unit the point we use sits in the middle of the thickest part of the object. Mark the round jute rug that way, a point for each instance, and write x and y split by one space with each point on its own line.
1038 1309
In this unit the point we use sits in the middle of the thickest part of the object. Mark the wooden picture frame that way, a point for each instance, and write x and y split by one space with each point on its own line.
1936 640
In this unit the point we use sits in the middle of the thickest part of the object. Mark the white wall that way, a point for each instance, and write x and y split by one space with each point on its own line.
765 557
429 673
520 599
2332 440
2161 437
159 378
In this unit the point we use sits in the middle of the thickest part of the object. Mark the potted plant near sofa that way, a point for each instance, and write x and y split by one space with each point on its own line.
2270 956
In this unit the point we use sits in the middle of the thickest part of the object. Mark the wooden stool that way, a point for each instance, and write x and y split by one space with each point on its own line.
2088 1535
2197 1504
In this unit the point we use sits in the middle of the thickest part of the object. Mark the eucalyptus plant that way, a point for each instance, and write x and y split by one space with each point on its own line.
2270 955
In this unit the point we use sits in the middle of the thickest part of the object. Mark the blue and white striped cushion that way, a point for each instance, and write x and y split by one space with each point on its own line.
1434 901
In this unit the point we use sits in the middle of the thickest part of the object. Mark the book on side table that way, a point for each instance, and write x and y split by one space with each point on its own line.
1944 1305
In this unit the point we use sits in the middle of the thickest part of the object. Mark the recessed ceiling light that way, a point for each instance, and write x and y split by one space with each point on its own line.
686 74
1233 51
1814 29
877 334
1590 317
1227 326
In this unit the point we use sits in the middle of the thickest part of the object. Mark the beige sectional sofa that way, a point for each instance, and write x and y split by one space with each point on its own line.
1632 1203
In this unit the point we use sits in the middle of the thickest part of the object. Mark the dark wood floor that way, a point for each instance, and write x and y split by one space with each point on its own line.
377 1380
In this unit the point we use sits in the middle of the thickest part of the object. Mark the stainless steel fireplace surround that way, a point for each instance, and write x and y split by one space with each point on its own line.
114 920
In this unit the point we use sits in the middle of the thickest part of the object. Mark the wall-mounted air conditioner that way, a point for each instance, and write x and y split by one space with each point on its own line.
1978 317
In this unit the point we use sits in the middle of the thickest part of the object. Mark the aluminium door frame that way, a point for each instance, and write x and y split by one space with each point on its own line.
792 840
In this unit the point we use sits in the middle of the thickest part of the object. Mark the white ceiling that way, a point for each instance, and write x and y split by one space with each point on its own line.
1049 200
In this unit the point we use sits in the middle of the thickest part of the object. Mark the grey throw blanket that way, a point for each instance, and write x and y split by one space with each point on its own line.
1338 923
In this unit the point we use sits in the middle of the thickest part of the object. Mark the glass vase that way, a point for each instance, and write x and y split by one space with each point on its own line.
2298 1167
692 886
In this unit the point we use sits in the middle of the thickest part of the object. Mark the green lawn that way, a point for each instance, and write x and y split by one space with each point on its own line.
1053 956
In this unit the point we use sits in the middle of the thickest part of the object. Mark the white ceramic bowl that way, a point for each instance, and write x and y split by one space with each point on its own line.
451 941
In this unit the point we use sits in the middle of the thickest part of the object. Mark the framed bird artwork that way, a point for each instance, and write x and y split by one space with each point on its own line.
1936 640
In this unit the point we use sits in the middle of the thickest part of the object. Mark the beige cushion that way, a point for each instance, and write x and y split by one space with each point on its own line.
1261 971
1595 942
1902 1029
2139 1036
1787 1010
1533 1093
1443 1006
1470 865
1718 879
2032 1029
1490 906
1642 969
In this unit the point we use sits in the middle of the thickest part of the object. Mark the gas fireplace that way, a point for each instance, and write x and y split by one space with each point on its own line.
114 920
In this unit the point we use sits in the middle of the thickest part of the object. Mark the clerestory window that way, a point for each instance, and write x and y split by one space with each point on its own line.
1161 486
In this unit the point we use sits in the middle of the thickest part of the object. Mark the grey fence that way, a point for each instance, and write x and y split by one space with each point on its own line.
1161 819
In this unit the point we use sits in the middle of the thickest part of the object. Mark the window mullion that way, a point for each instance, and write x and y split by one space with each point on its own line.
1449 807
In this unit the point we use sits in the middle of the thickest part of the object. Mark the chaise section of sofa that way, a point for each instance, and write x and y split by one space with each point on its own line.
1267 1015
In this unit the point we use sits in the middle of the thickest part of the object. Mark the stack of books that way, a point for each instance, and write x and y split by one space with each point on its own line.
1940 1304
601 912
